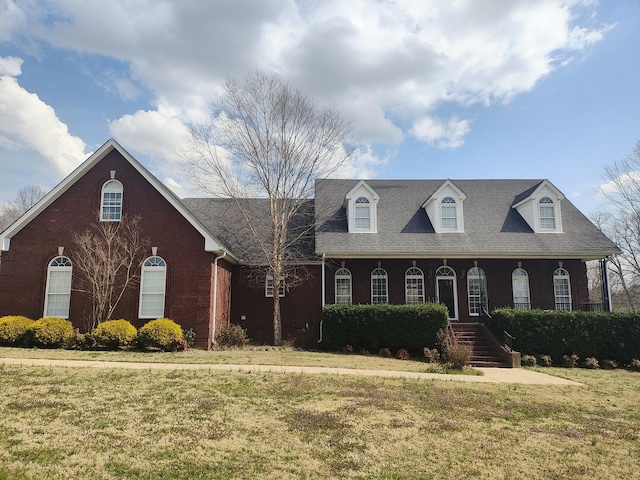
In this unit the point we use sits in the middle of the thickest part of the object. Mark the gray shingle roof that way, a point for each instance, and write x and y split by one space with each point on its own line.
492 228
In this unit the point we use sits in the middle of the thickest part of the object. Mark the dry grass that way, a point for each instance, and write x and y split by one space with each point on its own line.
249 356
107 424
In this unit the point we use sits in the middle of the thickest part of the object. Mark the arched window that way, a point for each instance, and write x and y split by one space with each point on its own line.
520 285
58 292
343 286
379 286
449 213
476 290
547 214
562 289
446 290
414 285
363 213
111 205
152 288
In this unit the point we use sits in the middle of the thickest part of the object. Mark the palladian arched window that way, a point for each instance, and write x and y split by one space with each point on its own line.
414 285
379 286
58 291
363 213
111 201
476 290
449 213
562 289
520 285
153 288
343 286
547 214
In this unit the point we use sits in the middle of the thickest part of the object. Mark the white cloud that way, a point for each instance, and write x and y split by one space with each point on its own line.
27 121
442 134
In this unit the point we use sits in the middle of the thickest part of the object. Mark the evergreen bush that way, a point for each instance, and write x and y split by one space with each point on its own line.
50 332
115 333
161 333
372 327
13 330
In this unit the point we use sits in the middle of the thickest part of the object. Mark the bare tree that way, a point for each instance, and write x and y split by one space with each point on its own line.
106 261
621 222
26 198
267 139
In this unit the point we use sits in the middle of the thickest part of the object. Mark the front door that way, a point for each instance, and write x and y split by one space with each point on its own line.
446 290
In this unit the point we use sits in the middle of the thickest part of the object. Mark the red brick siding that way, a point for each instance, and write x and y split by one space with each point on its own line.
300 306
498 275
24 266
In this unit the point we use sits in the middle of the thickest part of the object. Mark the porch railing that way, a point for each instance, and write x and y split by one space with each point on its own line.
496 330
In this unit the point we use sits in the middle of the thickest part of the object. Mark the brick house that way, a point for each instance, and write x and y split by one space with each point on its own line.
466 243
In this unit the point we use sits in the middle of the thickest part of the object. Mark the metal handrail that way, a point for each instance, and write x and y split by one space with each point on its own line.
507 338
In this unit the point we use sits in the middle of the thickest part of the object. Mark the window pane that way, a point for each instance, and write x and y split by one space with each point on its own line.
449 217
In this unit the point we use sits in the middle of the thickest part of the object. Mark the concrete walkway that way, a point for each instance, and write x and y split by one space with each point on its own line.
491 375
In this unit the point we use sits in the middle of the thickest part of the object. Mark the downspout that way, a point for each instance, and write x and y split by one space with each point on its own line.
214 309
323 294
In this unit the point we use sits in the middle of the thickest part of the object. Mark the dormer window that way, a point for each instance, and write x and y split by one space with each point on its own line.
361 208
547 214
111 205
445 208
363 213
449 213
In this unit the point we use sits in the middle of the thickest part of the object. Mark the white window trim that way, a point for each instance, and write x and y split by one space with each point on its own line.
343 274
152 268
562 274
377 274
520 276
362 191
476 273
441 275
47 294
546 203
106 189
413 276
268 286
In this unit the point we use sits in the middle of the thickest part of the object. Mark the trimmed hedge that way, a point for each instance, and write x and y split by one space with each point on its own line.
13 330
50 332
372 327
161 333
115 333
587 334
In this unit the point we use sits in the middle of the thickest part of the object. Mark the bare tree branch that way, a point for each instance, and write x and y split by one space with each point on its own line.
106 262
26 198
267 139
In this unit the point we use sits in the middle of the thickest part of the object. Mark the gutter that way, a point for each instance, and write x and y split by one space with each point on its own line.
324 255
215 297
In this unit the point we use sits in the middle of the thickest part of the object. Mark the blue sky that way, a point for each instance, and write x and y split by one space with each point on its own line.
469 89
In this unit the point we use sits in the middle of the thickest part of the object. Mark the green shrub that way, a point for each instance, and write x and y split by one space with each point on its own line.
115 333
161 333
84 341
545 361
50 332
372 327
189 337
612 335
528 361
591 362
232 335
13 330
385 352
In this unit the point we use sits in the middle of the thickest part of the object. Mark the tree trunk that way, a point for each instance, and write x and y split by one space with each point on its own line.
277 320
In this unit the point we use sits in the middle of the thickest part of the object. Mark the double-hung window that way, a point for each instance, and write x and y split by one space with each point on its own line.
58 293
111 203
343 286
562 289
379 286
414 285
363 213
449 213
547 214
153 288
476 290
520 285
268 286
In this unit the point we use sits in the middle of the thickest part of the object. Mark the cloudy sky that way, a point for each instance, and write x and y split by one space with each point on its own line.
455 89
